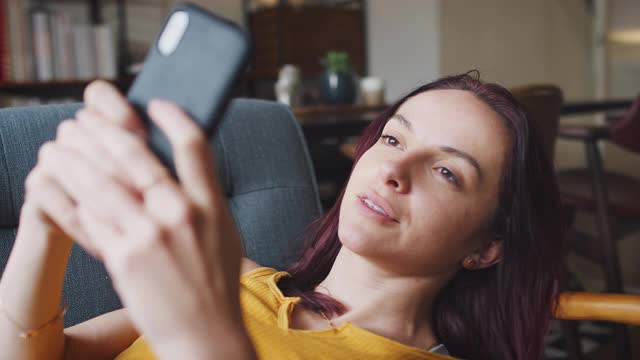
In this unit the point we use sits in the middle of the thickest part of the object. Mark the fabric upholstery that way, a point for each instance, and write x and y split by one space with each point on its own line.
262 161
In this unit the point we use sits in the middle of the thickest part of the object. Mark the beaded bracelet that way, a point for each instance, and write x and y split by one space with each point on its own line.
29 333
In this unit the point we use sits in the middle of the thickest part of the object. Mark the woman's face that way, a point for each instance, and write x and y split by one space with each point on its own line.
434 174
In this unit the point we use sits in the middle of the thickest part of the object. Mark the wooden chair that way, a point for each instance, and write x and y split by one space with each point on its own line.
613 197
543 104
621 309
617 308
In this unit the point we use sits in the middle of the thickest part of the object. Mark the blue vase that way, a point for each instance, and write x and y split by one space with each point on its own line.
337 88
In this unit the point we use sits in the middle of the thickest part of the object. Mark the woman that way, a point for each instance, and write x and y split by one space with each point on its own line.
445 236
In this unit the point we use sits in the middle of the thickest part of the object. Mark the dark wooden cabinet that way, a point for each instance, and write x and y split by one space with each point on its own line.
303 35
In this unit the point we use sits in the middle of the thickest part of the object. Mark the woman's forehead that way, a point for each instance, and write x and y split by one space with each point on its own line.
455 119
447 105
437 111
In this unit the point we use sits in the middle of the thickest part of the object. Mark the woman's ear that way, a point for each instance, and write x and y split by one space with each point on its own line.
491 254
485 257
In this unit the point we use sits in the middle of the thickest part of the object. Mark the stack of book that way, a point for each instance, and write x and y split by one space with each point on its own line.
37 44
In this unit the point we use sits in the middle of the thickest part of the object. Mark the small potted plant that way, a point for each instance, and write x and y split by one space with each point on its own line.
337 84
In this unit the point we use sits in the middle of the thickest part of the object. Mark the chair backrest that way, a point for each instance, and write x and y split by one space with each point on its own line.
263 164
626 131
543 104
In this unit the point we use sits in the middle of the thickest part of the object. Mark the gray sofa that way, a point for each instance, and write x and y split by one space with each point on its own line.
263 163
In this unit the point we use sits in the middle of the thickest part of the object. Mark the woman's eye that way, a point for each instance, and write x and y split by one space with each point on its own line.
389 140
448 175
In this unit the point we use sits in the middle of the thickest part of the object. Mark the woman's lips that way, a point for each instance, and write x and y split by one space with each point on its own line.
371 213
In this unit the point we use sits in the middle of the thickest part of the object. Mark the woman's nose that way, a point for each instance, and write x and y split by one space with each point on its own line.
395 174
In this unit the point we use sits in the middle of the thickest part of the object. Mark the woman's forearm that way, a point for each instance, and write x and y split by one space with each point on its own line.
31 290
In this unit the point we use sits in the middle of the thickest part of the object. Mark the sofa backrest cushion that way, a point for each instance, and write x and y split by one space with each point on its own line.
263 163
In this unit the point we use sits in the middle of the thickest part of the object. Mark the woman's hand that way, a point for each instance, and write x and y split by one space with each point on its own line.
172 249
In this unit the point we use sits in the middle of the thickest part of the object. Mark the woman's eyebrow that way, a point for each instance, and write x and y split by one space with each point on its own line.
403 121
463 155
447 149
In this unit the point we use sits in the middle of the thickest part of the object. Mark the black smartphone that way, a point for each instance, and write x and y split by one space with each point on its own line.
195 61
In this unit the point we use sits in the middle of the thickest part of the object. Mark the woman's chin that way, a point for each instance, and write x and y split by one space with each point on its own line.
357 237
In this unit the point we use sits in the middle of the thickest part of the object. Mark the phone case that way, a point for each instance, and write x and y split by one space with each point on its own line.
198 74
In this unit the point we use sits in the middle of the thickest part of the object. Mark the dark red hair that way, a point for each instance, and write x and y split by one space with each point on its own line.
501 312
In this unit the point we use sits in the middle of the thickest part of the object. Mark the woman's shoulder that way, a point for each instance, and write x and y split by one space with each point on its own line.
250 270
246 265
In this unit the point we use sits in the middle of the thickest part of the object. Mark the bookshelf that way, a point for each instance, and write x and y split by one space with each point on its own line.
57 88
69 87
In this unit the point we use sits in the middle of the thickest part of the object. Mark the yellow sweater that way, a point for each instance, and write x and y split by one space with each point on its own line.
266 313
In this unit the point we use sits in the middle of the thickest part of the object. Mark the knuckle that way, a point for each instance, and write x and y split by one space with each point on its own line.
122 261
33 178
105 181
152 235
130 258
45 150
128 146
192 140
70 220
28 208
92 90
66 128
184 214
81 110
81 114
128 116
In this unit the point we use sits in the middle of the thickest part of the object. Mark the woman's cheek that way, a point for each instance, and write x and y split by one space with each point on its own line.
443 223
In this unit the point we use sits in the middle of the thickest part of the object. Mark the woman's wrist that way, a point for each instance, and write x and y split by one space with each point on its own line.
33 279
40 236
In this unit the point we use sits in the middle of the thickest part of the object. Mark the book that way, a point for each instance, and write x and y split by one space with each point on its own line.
42 48
5 65
84 51
106 56
63 58
19 41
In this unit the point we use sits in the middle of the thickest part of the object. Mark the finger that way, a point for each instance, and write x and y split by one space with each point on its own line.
45 193
98 230
195 165
107 100
164 202
138 164
120 255
73 135
90 187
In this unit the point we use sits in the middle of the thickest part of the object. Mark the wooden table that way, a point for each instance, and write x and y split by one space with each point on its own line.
325 129
322 114
306 111
322 121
